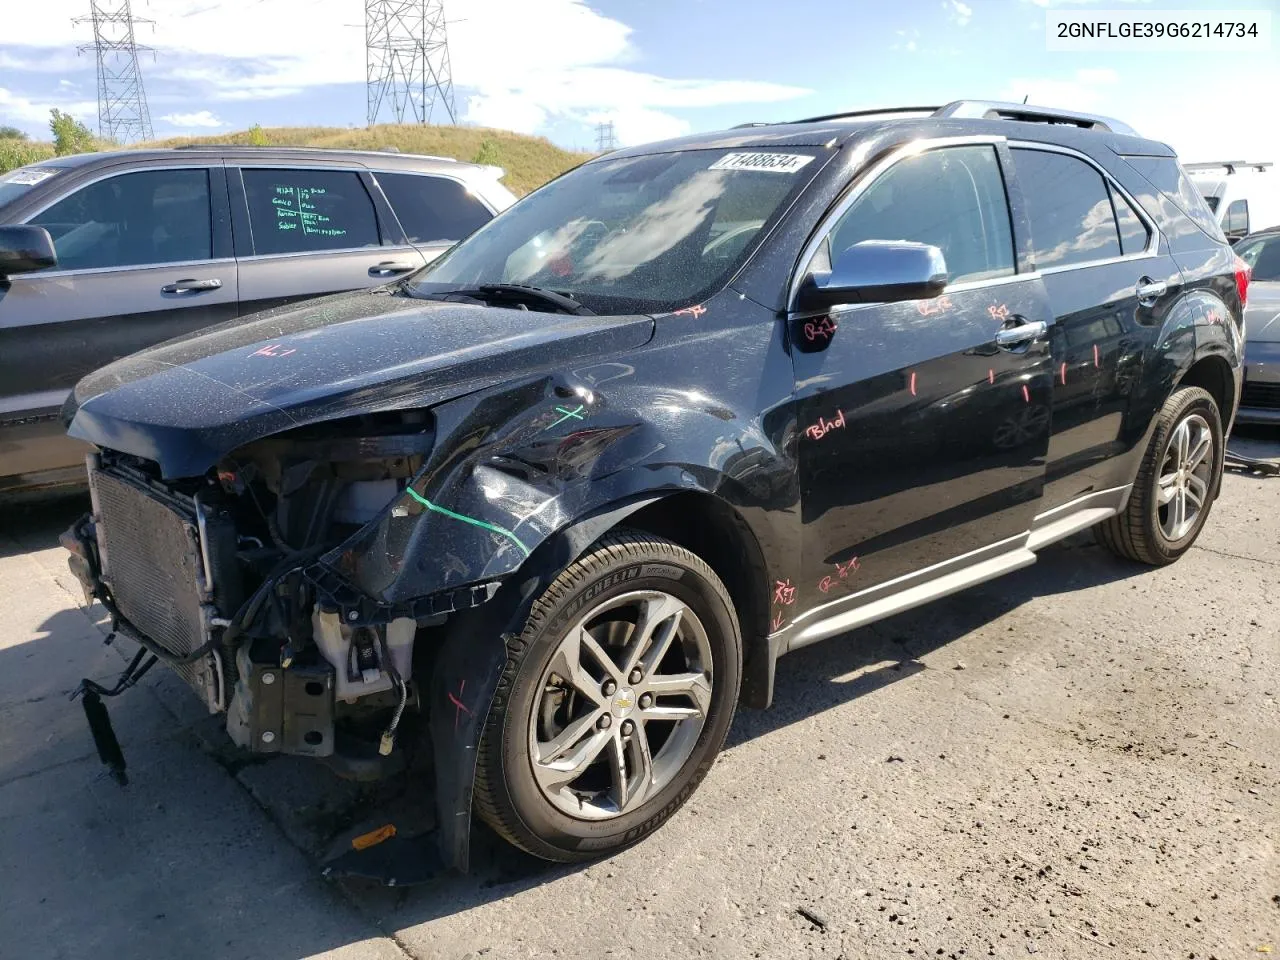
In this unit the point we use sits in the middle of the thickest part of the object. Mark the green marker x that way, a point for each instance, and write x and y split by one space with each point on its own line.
569 414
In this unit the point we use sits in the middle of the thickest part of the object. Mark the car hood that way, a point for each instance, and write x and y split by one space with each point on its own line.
1262 316
188 402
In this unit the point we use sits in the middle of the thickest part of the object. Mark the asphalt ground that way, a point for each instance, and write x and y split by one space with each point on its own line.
1078 760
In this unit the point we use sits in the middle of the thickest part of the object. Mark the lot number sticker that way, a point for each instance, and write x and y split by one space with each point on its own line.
28 177
761 162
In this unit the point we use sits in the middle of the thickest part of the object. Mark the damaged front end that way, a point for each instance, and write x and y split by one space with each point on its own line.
263 584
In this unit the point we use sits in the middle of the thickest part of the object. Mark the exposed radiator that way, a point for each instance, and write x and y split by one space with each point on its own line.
153 566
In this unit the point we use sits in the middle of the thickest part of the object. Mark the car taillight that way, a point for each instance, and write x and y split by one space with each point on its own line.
1243 271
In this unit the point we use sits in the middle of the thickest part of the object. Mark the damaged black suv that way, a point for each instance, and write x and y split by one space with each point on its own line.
537 518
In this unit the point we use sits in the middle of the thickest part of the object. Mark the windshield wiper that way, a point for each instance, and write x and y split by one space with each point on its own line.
514 292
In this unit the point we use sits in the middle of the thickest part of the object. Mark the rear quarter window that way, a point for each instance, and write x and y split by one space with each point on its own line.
431 208
1167 176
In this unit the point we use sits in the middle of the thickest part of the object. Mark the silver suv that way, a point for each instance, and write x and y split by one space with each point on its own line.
149 245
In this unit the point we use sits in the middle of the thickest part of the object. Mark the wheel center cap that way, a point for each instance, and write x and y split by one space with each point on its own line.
623 703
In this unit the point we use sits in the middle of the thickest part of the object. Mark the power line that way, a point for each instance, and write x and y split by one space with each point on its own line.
123 115
407 60
606 139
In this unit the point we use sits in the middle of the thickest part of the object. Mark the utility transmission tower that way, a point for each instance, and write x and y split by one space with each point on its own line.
122 102
606 139
407 60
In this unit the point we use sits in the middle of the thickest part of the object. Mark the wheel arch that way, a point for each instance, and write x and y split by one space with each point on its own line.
1212 372
713 529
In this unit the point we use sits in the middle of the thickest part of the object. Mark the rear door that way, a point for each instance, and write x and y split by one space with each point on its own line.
143 255
1109 288
922 425
434 211
305 231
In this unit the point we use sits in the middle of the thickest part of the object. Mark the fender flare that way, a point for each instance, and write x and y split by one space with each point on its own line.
469 664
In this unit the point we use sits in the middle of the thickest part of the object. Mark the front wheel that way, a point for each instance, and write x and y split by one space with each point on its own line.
1177 483
614 701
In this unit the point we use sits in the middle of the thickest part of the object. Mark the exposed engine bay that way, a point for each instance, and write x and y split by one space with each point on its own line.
247 582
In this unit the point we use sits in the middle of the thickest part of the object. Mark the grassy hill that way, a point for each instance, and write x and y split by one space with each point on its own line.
529 161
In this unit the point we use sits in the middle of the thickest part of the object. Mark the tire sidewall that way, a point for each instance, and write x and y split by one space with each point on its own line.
1198 402
568 835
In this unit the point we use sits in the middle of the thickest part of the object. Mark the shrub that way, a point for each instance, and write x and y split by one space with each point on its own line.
69 134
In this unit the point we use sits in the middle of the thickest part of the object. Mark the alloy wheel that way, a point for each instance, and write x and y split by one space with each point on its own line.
1185 477
622 703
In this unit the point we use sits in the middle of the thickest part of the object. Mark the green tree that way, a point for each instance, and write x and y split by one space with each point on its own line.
488 153
69 134
12 133
257 136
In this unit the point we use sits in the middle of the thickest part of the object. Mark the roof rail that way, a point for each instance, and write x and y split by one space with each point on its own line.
999 110
257 146
878 111
991 110
1231 166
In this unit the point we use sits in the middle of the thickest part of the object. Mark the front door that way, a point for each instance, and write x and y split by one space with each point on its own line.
922 425
143 256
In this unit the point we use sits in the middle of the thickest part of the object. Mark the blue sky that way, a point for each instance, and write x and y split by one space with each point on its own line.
656 68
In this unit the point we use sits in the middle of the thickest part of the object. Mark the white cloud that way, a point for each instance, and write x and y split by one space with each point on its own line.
202 118
530 61
25 110
1085 90
907 41
958 13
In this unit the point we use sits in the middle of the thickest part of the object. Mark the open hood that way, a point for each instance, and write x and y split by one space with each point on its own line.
188 402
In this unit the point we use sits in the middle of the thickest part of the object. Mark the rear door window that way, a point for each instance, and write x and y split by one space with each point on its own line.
1072 221
433 209
132 220
952 198
308 211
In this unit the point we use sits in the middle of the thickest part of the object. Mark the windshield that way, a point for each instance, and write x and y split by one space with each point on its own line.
17 182
640 234
1262 255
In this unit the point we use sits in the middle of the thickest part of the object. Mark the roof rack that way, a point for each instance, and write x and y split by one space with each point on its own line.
256 146
992 110
878 111
1231 166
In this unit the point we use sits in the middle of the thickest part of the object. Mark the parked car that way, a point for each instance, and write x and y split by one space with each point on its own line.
1244 197
1260 399
152 244
565 496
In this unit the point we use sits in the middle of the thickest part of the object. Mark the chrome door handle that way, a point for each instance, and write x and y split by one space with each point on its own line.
1022 333
389 268
1151 290
191 286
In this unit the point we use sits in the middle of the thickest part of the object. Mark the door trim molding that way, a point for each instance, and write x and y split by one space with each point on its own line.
951 576
909 590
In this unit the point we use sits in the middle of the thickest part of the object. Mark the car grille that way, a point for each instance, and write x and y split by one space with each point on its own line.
1260 395
153 567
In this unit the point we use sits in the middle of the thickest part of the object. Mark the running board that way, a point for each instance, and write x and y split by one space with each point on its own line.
901 600
1080 514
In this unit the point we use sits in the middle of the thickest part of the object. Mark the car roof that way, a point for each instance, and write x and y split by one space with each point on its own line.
1015 121
379 159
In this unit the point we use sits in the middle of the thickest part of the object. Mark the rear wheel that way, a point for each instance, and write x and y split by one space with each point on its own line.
1176 484
614 702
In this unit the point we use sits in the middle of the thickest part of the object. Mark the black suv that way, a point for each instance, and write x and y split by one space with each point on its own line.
541 515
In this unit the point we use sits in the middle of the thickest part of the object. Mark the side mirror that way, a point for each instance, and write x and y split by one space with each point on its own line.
876 271
25 248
